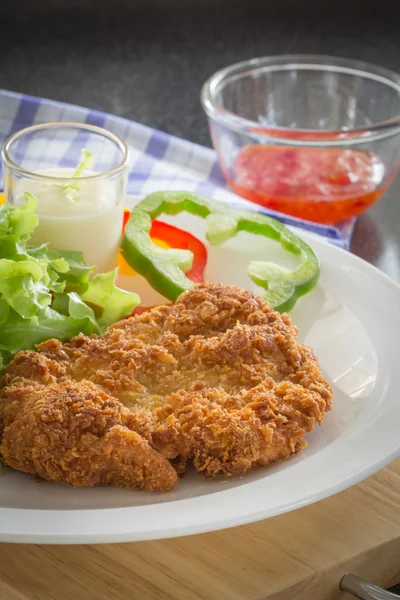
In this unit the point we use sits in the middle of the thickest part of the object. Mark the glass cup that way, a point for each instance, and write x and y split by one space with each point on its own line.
316 137
78 209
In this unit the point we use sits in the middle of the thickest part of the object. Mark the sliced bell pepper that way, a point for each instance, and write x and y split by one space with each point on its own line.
167 236
165 269
182 240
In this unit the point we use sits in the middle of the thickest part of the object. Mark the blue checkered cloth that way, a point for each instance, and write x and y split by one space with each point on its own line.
159 161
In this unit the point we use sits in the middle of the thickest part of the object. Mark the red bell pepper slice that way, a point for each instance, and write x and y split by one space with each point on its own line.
183 240
176 238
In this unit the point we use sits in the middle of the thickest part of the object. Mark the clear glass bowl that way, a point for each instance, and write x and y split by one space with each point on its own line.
316 137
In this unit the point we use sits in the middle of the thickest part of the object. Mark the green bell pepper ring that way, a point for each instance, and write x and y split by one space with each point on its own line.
165 269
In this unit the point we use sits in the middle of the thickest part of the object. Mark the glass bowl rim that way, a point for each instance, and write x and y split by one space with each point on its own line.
318 62
12 165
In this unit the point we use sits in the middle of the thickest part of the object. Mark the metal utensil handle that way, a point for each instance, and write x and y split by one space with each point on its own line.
363 590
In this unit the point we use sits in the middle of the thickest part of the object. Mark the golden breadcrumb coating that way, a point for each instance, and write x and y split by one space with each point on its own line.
218 378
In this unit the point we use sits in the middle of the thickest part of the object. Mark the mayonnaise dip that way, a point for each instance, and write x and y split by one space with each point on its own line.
91 223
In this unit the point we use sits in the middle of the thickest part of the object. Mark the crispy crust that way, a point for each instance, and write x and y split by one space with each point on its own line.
218 378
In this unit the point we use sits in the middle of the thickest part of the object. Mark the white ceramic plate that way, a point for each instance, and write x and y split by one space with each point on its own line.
352 320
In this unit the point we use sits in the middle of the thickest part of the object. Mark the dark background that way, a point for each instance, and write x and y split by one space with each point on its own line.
146 60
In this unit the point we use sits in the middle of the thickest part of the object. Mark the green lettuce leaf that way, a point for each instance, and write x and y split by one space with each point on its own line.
46 293
109 302
20 222
18 333
79 310
78 273
4 311
24 295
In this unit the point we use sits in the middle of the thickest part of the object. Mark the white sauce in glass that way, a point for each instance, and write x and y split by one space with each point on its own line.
91 224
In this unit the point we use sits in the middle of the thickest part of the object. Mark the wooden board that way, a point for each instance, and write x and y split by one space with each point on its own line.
298 556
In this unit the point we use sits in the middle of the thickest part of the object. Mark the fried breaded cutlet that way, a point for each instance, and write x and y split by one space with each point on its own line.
218 379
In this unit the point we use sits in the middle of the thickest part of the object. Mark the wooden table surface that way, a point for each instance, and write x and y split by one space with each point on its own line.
297 556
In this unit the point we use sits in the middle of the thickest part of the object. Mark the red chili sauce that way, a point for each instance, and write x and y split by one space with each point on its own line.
318 184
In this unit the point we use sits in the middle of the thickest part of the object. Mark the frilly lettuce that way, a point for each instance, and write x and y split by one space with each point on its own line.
46 293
